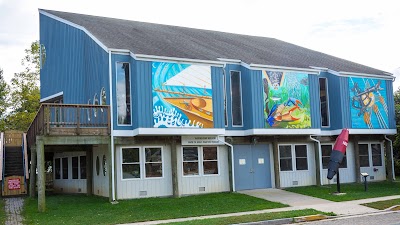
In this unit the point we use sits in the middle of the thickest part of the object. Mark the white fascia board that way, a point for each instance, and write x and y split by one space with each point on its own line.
167 132
143 57
52 96
272 132
382 76
359 131
283 69
76 26
230 61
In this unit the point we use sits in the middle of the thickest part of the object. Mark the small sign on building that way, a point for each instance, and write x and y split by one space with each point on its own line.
202 140
14 184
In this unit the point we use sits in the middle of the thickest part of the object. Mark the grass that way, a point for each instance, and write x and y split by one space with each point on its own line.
2 212
353 191
253 217
383 204
81 209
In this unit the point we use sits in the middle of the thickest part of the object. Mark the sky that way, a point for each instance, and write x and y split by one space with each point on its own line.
366 32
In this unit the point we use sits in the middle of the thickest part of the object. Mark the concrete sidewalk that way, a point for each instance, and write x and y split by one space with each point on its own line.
295 202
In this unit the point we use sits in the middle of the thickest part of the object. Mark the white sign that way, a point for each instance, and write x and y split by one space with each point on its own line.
202 140
260 160
242 161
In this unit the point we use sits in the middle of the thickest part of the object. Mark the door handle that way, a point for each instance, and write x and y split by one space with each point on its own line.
251 171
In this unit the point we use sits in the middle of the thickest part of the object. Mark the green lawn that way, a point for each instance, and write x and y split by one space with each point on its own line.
2 212
80 209
353 191
383 204
254 217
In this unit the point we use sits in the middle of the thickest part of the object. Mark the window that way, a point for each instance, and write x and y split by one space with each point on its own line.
286 154
225 110
376 155
123 89
75 167
104 165
364 155
153 164
236 100
82 163
326 151
97 165
210 160
200 160
57 168
64 168
323 95
130 163
139 163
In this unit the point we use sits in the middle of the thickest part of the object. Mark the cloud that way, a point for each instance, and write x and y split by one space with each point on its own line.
352 25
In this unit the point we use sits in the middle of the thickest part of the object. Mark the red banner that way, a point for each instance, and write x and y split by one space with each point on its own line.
14 184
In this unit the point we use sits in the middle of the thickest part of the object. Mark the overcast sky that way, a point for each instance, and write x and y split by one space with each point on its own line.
366 32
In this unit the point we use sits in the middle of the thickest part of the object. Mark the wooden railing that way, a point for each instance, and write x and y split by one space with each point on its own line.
68 119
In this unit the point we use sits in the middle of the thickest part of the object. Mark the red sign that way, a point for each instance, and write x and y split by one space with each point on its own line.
14 184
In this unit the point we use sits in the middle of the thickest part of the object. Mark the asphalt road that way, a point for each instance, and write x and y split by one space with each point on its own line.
381 218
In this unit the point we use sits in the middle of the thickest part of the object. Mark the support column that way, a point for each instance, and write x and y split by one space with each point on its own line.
41 175
89 170
317 163
109 170
32 175
389 161
276 163
174 166
357 158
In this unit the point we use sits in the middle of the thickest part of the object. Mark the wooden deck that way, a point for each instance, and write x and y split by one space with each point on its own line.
70 120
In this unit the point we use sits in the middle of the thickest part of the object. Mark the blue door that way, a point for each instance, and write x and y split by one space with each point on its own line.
252 167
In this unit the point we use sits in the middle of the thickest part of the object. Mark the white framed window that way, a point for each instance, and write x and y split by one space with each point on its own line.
370 154
141 162
123 92
293 157
324 101
200 161
78 167
236 99
326 150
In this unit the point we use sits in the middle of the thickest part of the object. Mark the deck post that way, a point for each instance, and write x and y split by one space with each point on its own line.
32 176
276 162
41 175
357 158
174 166
389 161
109 171
89 170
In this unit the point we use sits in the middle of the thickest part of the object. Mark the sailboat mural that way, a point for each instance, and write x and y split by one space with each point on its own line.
182 95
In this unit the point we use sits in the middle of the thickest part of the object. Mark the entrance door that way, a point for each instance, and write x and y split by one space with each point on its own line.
252 167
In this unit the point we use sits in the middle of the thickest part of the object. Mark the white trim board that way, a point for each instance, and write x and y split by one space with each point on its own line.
168 131
52 96
359 131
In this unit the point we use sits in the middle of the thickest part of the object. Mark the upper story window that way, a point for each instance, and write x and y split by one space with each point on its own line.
323 95
236 99
123 89
326 150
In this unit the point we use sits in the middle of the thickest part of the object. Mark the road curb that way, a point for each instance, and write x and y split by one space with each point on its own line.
270 222
394 208
309 218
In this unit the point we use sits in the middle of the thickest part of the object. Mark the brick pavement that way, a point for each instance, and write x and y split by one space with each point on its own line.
13 209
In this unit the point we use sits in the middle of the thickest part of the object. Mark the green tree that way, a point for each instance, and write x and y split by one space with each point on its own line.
4 92
396 144
25 92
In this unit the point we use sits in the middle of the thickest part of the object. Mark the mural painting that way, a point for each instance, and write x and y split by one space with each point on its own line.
368 103
286 100
182 95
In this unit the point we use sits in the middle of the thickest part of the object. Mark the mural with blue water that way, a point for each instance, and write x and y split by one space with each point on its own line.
368 103
182 95
286 100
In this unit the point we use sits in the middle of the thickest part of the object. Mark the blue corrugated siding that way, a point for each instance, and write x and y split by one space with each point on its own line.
315 108
345 102
75 64
247 96
218 96
390 104
143 91
257 100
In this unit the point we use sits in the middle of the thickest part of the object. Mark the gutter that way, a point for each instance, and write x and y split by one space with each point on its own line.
232 164
112 129
391 152
319 158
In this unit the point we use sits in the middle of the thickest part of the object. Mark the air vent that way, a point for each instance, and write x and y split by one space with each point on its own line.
61 189
335 180
142 193
295 182
98 191
202 188
79 190
371 177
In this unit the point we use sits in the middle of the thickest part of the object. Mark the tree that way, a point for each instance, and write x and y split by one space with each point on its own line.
4 92
25 92
396 143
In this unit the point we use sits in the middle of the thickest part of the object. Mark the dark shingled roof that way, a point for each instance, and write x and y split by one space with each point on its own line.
181 42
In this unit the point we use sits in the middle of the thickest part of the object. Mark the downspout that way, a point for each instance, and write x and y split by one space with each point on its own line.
232 164
112 128
391 152
319 158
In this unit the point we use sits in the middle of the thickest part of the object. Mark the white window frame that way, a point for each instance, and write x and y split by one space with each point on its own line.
371 165
322 165
54 169
241 97
327 102
201 161
293 151
142 163
130 90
